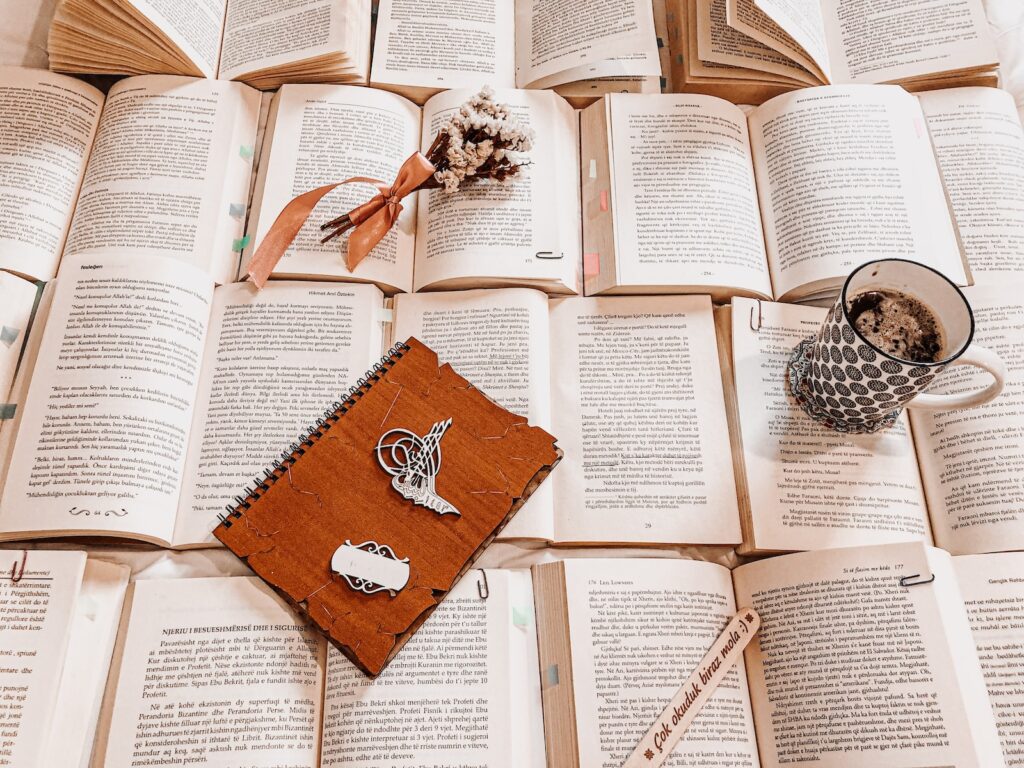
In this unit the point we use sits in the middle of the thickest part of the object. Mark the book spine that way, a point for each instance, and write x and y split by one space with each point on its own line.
262 483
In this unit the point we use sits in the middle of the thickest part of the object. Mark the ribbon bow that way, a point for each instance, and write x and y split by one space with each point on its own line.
372 219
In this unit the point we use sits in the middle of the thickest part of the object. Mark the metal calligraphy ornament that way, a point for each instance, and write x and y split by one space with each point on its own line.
370 567
413 462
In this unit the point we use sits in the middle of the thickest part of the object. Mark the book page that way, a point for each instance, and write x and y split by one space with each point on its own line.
979 144
275 361
810 487
458 693
683 194
441 45
324 134
851 668
94 626
262 34
890 203
497 340
101 444
720 43
218 672
970 459
47 124
38 612
556 37
993 591
194 27
639 411
878 41
165 169
17 300
524 232
747 17
803 21
637 628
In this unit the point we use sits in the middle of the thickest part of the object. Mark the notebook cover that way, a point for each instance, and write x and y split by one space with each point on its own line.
331 489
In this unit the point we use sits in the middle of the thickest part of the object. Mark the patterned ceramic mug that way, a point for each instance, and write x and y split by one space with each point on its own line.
847 383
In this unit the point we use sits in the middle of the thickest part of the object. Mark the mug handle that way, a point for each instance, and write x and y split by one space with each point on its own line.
980 357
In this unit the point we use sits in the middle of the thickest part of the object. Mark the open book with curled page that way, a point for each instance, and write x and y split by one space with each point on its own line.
565 665
750 50
688 193
260 43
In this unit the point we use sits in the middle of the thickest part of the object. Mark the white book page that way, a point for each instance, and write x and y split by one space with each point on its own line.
639 411
165 168
275 361
971 459
263 34
194 27
441 45
219 672
979 144
17 300
721 43
38 613
47 124
746 17
890 204
683 194
93 630
993 591
324 134
102 440
524 232
810 487
850 668
887 40
802 20
637 629
458 694
556 37
497 340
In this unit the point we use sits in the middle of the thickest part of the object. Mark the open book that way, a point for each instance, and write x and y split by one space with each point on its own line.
91 174
260 43
522 233
592 649
787 200
154 397
60 618
423 48
630 387
953 478
749 50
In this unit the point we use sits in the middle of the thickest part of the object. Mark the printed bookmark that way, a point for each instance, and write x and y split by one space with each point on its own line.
658 743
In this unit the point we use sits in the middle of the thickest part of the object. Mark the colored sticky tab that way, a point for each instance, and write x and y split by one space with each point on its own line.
593 169
591 264
661 43
236 210
9 335
521 615
7 411
246 151
551 676
240 243
604 199
384 315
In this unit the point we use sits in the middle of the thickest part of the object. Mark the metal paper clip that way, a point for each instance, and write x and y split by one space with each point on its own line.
16 574
908 581
756 328
482 587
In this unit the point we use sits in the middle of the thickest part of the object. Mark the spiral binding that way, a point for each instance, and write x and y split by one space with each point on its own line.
273 473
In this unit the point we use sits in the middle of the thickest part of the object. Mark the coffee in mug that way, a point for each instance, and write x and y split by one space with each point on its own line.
898 324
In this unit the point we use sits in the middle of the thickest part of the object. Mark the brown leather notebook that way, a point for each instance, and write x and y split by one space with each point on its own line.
368 522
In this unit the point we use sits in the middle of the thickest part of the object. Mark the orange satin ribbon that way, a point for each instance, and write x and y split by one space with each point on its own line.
372 219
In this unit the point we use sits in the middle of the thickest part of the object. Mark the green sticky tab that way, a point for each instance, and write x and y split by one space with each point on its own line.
9 335
240 243
7 411
246 151
551 676
521 616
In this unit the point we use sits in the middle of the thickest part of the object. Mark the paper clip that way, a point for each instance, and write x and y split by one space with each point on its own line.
907 581
759 317
483 588
15 573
